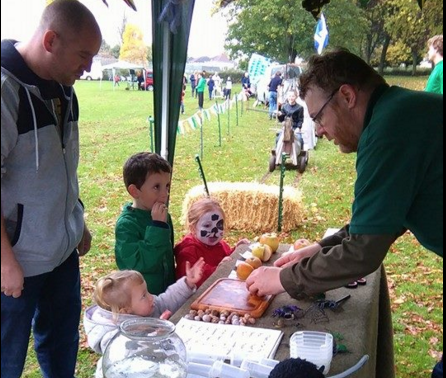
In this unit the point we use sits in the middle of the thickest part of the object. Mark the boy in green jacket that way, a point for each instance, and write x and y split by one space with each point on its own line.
144 230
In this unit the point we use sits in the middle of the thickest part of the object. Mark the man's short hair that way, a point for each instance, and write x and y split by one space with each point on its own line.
139 166
335 68
437 43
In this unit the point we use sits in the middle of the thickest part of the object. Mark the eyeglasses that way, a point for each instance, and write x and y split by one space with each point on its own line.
317 118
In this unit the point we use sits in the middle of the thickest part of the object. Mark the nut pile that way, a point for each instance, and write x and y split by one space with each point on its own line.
217 317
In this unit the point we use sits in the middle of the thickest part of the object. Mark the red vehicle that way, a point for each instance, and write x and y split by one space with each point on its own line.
148 85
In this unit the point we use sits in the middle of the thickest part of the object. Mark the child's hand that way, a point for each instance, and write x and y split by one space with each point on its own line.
242 242
159 212
166 315
194 274
226 259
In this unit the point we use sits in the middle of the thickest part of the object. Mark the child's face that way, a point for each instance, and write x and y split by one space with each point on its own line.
155 189
142 300
210 228
292 98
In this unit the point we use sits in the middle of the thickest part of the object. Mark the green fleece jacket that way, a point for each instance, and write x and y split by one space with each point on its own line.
146 246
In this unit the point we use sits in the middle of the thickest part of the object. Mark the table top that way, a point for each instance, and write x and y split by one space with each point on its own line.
362 323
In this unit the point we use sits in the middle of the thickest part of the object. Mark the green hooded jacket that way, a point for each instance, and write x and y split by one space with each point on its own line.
146 246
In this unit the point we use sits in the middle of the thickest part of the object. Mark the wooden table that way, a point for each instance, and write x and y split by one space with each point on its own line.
364 321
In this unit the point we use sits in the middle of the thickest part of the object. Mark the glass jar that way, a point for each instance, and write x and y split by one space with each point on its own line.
145 348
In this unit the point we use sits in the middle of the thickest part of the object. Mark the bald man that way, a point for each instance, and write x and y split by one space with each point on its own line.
42 222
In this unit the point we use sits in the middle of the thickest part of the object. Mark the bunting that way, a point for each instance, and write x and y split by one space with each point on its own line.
197 120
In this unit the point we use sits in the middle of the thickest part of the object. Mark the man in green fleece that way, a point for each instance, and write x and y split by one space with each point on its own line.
435 82
144 230
399 184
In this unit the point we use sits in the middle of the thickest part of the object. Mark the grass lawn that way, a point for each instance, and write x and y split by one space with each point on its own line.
114 126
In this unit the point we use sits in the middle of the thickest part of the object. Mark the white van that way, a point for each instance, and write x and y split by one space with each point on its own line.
95 73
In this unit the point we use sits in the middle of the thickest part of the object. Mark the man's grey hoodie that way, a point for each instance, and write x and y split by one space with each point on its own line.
39 161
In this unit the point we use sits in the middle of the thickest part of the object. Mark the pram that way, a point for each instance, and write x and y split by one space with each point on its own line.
291 143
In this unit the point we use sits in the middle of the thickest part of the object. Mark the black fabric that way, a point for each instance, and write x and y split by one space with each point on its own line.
296 368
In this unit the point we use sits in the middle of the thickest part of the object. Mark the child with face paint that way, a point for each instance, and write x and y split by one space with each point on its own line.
206 225
144 230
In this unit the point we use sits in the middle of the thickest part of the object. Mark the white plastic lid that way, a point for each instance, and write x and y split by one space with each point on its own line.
222 370
256 370
269 362
198 369
205 358
237 357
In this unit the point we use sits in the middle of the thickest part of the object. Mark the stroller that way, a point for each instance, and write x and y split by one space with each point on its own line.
291 143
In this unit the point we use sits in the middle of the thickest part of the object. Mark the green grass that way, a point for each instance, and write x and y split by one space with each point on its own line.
114 126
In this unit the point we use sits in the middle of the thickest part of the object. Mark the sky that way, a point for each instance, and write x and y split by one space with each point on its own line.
19 18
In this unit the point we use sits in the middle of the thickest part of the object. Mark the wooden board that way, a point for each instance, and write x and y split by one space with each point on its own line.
232 295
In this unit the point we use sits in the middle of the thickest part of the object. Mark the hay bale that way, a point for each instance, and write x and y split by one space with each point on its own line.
251 207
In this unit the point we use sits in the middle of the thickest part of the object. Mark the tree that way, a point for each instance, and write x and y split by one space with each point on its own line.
121 29
105 48
115 51
413 27
279 29
347 25
133 48
375 12
149 54
282 29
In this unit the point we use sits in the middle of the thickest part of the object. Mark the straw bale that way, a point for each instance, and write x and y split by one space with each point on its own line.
251 207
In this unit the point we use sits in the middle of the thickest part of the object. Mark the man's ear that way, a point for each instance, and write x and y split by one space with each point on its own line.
49 39
133 191
348 94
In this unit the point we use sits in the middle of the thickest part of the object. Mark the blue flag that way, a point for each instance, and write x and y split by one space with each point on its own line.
321 35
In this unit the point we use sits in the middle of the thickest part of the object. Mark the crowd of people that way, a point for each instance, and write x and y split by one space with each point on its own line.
44 232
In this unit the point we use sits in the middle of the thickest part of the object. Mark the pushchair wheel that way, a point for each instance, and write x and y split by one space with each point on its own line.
272 163
301 163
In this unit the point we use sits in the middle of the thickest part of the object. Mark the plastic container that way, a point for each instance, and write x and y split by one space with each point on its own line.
315 347
256 370
269 362
199 369
222 370
204 358
145 347
236 358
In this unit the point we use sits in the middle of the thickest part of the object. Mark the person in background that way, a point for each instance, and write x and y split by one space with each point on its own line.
140 79
435 81
43 231
246 85
124 295
183 94
294 111
193 83
116 79
217 81
144 230
200 90
228 88
398 187
211 86
273 86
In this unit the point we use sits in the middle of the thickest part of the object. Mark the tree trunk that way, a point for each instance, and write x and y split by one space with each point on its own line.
384 53
414 61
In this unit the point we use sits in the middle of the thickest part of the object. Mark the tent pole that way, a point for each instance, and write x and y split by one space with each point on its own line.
166 88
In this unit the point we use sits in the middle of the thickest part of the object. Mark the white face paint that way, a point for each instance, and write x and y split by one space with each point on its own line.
210 228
